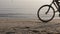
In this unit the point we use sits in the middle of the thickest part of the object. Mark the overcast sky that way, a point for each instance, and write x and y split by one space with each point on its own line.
23 4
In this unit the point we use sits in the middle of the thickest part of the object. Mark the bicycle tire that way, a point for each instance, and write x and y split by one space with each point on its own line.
41 8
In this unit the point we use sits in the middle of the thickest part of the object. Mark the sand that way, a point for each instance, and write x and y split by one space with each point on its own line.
29 26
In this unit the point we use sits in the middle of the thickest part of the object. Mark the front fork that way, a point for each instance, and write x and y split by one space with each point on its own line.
48 8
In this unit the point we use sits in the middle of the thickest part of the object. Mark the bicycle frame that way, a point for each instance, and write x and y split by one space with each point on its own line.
53 2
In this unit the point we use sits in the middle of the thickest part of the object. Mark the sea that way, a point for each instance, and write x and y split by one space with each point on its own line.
17 13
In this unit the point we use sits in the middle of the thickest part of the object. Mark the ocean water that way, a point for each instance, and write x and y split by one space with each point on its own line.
21 13
23 16
19 16
18 13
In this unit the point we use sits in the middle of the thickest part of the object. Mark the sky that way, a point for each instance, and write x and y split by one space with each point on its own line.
21 6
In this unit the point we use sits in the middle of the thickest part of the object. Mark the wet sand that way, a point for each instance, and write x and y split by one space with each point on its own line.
33 26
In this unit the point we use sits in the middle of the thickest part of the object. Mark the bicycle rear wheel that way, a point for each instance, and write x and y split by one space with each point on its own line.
42 13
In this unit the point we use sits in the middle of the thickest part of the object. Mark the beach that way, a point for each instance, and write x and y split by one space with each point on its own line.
21 26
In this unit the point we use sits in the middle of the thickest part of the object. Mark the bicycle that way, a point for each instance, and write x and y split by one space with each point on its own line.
47 15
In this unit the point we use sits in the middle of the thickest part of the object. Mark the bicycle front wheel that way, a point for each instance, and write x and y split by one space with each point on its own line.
42 13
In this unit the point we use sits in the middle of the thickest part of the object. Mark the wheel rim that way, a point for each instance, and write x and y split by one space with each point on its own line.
42 13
